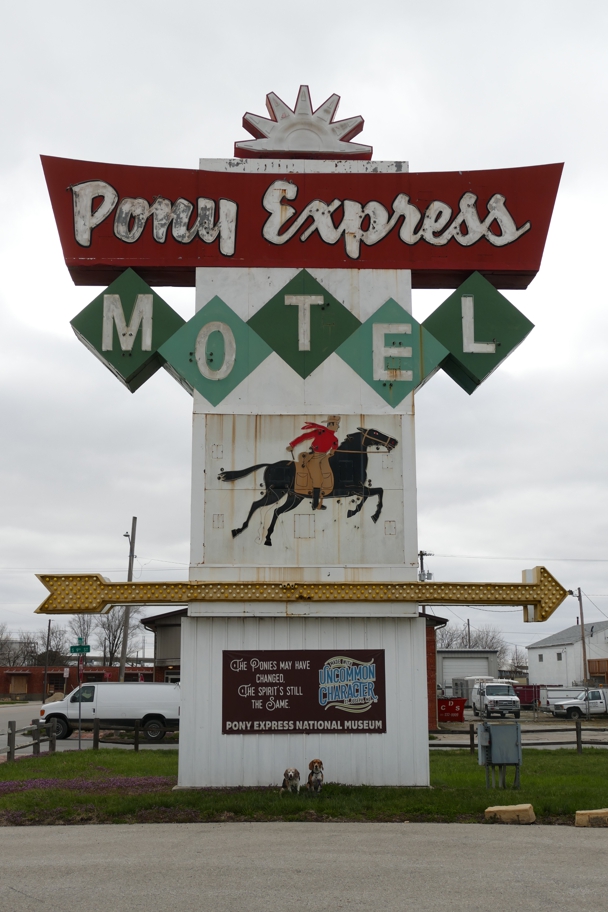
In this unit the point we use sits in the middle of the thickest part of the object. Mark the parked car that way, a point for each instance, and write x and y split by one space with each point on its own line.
495 698
155 706
589 702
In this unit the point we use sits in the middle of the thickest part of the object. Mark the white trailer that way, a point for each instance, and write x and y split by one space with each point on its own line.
463 687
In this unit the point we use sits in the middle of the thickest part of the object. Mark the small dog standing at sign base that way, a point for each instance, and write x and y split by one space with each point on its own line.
291 780
315 776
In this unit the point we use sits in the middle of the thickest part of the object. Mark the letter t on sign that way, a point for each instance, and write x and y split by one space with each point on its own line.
468 330
303 303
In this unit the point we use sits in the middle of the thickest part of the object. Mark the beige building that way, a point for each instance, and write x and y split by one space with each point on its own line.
167 643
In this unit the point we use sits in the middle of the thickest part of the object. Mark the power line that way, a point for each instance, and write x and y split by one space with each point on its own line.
462 620
477 608
583 560
594 605
496 610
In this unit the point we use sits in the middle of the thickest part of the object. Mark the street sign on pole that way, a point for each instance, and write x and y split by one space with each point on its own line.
77 650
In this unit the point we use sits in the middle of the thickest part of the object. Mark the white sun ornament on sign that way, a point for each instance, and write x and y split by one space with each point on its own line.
302 133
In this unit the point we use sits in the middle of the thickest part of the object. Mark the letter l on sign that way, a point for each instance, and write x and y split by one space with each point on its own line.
468 330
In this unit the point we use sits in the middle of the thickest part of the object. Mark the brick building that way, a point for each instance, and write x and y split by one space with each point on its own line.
26 682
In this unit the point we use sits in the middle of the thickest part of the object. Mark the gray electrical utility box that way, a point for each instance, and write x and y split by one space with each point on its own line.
499 744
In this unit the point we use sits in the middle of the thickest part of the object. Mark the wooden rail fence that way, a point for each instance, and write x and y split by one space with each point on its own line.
36 727
577 731
98 728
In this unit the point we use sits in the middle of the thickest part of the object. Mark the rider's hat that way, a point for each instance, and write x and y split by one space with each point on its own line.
333 419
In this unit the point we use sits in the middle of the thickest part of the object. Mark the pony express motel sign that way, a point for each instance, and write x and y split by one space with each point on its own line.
303 357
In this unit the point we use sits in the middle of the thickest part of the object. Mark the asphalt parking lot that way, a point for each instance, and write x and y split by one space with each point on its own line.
294 867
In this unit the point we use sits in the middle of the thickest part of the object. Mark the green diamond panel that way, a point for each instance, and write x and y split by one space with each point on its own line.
214 351
489 320
425 357
280 324
125 326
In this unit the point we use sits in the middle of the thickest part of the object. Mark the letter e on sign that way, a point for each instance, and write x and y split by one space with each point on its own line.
381 351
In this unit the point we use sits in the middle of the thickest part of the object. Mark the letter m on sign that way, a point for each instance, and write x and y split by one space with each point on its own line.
114 315
125 326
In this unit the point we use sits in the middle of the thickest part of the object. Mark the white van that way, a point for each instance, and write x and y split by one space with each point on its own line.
156 706
495 697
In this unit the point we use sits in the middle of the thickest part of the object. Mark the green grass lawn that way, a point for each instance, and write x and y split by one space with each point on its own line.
120 786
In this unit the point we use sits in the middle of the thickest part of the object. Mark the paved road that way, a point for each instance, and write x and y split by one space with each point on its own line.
283 867
22 713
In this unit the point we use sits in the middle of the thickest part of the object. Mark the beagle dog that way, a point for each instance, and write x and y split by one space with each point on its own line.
315 776
291 780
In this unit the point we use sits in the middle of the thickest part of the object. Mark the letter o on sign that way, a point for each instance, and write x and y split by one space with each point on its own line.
200 350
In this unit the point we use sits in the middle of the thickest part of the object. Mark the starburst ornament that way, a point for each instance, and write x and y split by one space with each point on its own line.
302 133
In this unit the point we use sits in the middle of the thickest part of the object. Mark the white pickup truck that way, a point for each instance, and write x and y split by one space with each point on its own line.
589 702
495 698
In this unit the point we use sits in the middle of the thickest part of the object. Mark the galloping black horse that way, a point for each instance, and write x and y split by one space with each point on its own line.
349 465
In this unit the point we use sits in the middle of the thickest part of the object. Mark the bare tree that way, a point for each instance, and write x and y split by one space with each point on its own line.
518 663
484 637
488 637
5 639
58 647
109 634
26 648
449 637
82 625
12 650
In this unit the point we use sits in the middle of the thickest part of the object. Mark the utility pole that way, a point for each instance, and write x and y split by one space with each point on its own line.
126 609
469 632
46 661
585 668
422 576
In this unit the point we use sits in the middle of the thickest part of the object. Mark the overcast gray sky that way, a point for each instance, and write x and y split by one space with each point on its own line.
511 477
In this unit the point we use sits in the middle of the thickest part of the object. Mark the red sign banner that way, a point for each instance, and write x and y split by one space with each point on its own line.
306 692
166 222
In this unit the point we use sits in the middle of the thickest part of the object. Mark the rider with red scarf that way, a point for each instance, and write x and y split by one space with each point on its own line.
324 443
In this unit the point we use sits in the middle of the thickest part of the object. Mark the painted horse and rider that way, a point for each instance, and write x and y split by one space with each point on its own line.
314 477
328 469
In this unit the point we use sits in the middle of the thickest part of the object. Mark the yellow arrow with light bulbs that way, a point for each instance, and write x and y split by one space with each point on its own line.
90 593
